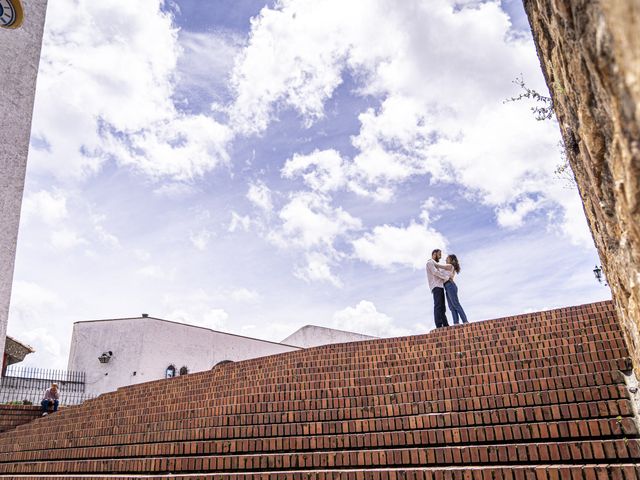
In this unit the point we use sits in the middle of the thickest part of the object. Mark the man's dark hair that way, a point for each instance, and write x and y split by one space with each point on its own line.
435 251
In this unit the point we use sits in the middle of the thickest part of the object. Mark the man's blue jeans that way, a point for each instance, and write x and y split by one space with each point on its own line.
46 404
454 304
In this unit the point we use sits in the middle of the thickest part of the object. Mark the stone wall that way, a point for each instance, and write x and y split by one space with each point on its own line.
590 55
19 58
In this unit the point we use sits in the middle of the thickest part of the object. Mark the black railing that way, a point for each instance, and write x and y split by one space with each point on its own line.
28 384
26 378
34 397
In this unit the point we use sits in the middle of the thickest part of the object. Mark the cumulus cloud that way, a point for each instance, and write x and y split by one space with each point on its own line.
31 310
239 222
322 170
195 308
50 207
204 66
65 239
200 239
107 74
366 319
260 195
512 216
441 111
318 268
387 246
309 222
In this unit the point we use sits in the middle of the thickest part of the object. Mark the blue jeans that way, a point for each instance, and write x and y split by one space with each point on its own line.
48 403
454 304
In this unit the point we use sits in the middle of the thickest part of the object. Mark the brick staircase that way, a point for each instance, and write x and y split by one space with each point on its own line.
13 415
537 396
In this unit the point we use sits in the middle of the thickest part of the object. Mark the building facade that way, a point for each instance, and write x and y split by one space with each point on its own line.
119 352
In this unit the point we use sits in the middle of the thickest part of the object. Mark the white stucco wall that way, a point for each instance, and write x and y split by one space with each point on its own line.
19 58
313 336
147 346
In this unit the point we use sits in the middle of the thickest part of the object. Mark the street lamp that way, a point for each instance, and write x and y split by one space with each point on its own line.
597 271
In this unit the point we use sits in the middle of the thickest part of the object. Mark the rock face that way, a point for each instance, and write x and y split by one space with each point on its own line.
590 55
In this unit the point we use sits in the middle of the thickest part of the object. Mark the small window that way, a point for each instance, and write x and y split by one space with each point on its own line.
170 372
223 362
184 370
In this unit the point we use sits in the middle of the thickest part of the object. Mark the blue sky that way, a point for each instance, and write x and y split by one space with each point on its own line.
255 167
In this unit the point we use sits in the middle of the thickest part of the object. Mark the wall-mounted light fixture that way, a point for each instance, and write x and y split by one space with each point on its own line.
599 274
105 357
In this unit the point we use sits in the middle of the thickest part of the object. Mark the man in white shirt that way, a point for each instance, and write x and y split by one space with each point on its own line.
436 279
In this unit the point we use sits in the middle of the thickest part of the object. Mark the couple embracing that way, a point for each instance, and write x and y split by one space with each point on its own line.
440 278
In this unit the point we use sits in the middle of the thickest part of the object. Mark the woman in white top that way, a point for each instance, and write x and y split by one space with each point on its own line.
451 289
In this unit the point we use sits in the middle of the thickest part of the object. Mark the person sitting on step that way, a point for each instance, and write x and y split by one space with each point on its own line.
51 397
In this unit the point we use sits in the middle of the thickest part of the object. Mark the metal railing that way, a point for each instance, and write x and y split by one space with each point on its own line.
34 397
26 378
27 385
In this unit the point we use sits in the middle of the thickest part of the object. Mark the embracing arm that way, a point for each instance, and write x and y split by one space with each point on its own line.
445 267
431 268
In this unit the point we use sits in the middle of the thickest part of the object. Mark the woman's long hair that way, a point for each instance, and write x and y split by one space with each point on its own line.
453 260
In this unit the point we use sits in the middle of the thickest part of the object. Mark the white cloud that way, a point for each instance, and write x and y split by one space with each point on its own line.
318 269
387 246
200 239
204 65
174 190
28 299
44 342
366 319
441 110
260 195
105 90
322 170
196 307
513 216
142 255
309 220
156 272
239 222
50 207
32 308
65 239
244 295
103 235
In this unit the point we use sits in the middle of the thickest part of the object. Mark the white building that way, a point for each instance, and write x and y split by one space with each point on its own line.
118 352
314 336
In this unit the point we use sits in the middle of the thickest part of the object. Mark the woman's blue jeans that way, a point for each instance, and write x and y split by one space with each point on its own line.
451 290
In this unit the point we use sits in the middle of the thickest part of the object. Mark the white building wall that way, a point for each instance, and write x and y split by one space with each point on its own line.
147 346
19 59
313 336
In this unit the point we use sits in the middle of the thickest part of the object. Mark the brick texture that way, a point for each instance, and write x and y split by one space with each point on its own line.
537 396
13 415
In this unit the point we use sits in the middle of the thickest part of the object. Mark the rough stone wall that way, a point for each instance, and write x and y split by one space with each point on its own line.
590 55
19 58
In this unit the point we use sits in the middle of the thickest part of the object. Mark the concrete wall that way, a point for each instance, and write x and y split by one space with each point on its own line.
19 58
144 347
313 336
